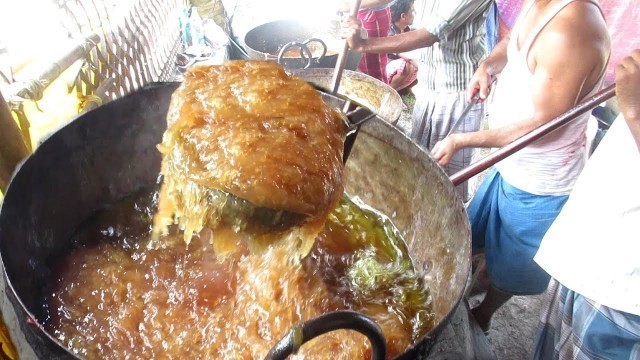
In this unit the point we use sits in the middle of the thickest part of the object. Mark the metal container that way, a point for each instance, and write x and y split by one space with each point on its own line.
291 37
110 152
362 88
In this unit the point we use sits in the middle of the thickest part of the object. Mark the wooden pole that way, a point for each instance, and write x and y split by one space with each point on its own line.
342 56
12 146
562 120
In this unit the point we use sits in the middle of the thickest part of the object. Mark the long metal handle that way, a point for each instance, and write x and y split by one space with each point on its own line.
464 114
342 57
586 105
310 329
466 110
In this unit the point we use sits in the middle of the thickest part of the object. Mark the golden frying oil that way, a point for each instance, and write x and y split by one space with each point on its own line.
120 294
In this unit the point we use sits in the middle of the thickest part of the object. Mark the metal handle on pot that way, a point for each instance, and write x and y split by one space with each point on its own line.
305 53
349 320
324 47
356 118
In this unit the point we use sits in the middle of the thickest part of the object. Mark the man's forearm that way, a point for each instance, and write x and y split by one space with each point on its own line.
495 138
633 121
497 59
408 41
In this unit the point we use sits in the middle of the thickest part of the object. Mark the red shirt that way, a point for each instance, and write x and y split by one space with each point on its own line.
377 23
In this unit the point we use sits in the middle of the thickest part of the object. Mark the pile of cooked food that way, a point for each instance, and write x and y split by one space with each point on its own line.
249 233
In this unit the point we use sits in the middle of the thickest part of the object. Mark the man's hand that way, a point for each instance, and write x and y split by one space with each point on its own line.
487 71
480 83
352 31
444 149
628 85
628 92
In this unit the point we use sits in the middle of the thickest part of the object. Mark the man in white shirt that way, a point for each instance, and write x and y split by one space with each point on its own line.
592 250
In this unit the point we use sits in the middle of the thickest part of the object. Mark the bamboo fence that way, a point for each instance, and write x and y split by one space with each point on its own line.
123 45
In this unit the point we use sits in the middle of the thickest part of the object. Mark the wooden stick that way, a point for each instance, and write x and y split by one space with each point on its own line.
342 56
586 105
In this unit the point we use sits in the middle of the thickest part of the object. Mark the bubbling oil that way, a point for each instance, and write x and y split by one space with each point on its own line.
121 294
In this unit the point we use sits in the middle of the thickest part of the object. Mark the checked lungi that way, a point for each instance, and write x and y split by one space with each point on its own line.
433 116
574 327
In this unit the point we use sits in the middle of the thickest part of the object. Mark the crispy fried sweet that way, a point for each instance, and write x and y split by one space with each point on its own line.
249 130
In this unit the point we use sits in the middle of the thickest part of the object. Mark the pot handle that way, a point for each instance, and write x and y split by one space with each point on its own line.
350 320
305 52
324 47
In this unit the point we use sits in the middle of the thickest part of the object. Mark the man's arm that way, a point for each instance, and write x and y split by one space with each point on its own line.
567 59
404 42
492 66
628 92
450 16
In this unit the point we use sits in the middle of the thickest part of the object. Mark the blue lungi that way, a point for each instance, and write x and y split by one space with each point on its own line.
509 224
575 327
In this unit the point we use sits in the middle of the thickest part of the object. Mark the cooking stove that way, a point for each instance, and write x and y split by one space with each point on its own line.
461 339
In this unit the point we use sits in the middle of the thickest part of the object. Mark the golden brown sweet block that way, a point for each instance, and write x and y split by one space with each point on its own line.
250 129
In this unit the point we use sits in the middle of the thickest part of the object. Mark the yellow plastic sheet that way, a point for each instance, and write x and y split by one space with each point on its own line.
7 351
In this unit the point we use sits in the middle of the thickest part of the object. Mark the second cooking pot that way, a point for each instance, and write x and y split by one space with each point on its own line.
304 46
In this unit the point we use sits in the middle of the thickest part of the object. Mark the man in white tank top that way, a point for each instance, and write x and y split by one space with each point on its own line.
554 57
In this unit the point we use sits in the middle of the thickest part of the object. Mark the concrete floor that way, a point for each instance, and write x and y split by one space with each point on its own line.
514 326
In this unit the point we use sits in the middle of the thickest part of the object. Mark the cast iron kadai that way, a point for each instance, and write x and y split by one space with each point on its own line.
110 152
271 40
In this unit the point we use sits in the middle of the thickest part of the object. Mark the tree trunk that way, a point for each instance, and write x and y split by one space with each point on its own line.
12 146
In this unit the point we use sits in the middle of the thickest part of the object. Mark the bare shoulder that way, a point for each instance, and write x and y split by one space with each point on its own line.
580 26
583 17
578 34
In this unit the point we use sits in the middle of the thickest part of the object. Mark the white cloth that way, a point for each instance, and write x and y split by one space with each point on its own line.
550 165
593 247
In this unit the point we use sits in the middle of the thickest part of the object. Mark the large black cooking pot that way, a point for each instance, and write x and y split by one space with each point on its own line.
110 152
267 41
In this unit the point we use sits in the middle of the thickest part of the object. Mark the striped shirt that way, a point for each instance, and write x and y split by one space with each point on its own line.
449 64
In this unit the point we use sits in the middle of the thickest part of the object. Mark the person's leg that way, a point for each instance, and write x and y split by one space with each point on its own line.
422 113
399 80
401 73
599 332
481 210
513 233
492 301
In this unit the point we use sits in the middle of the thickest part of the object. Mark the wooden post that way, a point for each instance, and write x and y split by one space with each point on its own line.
12 146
